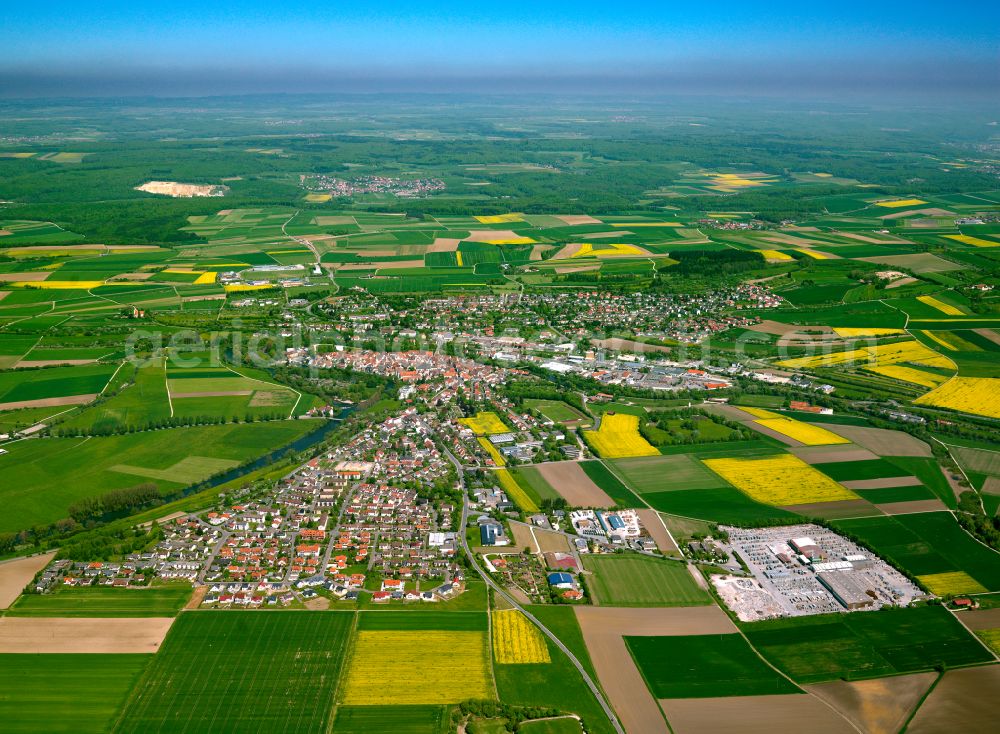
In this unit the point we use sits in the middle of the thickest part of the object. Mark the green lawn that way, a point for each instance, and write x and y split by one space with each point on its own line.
237 672
865 644
557 411
43 477
75 694
639 581
704 666
104 601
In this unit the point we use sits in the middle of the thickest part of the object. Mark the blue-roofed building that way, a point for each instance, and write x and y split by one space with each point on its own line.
561 580
491 533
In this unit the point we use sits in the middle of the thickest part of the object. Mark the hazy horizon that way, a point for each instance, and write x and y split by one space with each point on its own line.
647 48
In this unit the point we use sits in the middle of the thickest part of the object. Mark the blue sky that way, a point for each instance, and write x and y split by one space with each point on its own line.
321 41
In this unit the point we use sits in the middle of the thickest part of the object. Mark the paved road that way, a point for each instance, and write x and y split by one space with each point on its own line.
598 694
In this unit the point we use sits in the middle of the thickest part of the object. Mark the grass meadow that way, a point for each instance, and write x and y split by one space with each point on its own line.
636 581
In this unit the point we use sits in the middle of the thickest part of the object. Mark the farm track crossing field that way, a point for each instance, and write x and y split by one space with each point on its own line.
75 694
694 666
104 601
865 644
238 672
642 582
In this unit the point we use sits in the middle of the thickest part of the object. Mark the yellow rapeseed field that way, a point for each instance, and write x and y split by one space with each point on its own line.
975 241
900 202
991 638
318 198
240 287
952 583
206 278
880 354
618 437
945 308
59 284
908 374
779 480
490 449
515 491
952 342
813 254
397 667
500 219
802 432
974 395
516 640
512 241
775 255
485 424
458 258
850 332
607 250
647 224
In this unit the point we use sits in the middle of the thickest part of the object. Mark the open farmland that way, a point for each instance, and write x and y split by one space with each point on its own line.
779 480
804 433
104 601
573 484
38 491
75 694
636 581
666 473
17 573
975 395
237 671
864 645
761 714
693 666
618 436
391 719
485 424
407 667
962 699
516 641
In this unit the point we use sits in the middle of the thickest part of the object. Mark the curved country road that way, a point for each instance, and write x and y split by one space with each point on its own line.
499 590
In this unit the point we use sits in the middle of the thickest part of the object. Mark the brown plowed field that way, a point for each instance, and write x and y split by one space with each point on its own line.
17 573
752 715
964 701
569 480
879 706
76 635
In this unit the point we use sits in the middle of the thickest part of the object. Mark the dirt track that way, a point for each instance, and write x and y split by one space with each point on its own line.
15 574
569 480
882 483
907 508
75 635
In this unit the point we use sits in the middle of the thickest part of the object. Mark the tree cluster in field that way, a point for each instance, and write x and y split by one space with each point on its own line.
714 263
473 710
111 544
115 502
652 431
334 384
112 427
972 517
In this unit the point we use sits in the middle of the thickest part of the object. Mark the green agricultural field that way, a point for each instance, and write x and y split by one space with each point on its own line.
535 484
648 474
846 471
235 672
551 726
43 477
386 619
141 402
75 694
639 581
926 544
704 666
724 505
601 476
104 601
865 644
391 720
54 382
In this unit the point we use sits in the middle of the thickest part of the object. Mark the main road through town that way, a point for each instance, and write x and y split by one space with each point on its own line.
598 694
